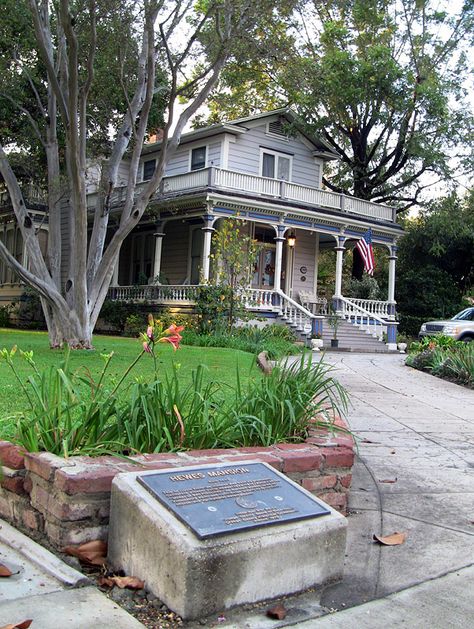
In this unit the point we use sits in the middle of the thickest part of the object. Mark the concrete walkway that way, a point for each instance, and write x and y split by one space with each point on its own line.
415 474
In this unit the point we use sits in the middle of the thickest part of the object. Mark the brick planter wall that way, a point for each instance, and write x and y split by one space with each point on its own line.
68 500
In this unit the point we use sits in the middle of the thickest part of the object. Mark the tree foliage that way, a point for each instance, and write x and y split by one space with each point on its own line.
436 262
383 82
91 79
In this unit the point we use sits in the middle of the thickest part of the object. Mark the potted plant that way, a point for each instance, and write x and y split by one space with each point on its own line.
334 320
316 342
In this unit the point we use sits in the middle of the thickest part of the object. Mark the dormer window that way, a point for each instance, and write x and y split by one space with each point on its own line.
198 158
148 169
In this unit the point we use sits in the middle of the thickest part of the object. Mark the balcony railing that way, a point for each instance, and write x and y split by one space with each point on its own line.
220 179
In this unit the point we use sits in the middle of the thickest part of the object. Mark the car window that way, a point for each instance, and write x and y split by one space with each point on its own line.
465 315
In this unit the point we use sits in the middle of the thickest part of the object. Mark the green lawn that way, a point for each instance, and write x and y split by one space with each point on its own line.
222 364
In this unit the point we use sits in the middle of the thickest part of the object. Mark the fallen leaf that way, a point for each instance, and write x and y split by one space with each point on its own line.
388 480
105 582
278 612
19 625
392 452
93 553
4 571
395 539
132 583
369 441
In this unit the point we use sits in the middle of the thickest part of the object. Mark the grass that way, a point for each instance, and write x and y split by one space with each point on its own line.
221 363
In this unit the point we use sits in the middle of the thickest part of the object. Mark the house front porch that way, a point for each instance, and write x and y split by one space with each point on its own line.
169 256
364 323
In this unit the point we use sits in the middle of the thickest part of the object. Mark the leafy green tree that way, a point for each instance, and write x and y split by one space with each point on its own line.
436 262
234 254
92 78
382 81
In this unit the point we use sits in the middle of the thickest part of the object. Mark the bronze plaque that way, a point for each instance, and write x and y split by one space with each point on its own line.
221 499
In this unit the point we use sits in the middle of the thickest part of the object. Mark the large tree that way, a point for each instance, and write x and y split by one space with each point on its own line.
383 81
88 77
436 262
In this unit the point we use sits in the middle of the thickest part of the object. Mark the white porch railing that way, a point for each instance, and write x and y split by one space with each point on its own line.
379 308
182 294
259 298
220 178
295 314
368 321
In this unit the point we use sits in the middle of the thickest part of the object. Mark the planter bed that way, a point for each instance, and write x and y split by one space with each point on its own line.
67 500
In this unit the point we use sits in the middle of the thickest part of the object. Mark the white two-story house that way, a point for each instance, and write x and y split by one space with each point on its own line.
253 170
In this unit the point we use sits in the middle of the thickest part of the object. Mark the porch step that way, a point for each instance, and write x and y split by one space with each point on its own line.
352 338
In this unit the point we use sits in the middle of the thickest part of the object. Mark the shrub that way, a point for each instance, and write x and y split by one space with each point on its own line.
5 316
271 339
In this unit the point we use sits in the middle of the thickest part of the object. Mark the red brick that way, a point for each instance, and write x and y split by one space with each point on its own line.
207 460
346 480
345 441
249 449
335 500
302 462
32 519
292 447
44 464
205 453
27 484
338 457
6 508
155 465
12 456
321 441
262 458
63 507
85 479
319 483
14 484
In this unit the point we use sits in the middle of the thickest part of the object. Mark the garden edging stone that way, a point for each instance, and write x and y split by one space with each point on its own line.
68 500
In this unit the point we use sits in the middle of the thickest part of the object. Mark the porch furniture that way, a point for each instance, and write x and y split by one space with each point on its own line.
316 305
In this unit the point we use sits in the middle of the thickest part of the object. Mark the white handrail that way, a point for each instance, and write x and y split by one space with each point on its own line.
372 323
295 313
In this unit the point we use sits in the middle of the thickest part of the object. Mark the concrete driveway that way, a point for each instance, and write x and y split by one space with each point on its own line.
414 473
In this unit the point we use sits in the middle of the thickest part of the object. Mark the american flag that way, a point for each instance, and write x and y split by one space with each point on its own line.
364 245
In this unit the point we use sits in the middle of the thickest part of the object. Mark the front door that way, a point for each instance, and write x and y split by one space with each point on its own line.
264 269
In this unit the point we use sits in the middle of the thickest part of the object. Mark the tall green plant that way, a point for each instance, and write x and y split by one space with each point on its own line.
234 253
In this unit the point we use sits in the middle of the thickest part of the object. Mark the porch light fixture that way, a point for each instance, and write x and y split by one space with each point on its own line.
291 239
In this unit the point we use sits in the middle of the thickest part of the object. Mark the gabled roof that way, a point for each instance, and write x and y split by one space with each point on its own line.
239 126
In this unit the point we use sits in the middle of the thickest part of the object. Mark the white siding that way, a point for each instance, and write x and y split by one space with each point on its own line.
244 155
303 256
180 161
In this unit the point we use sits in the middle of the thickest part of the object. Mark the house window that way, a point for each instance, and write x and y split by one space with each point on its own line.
148 169
198 158
276 165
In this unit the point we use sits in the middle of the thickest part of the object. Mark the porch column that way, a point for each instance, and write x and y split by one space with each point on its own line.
206 249
391 281
279 239
339 261
316 265
158 249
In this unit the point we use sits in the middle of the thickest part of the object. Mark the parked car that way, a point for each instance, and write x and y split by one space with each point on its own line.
460 327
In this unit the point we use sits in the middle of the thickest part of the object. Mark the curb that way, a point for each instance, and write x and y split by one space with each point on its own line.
44 559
